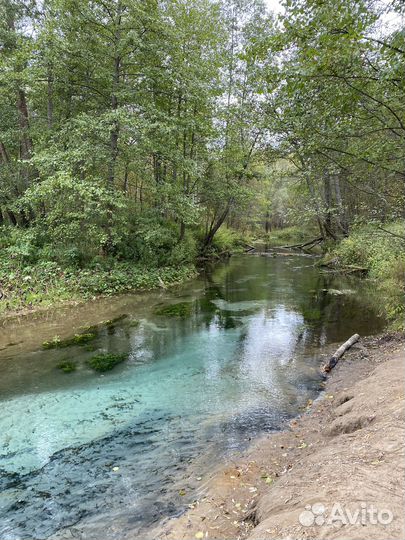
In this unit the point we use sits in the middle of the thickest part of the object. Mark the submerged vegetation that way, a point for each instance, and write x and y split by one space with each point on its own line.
77 339
106 362
67 366
181 309
139 138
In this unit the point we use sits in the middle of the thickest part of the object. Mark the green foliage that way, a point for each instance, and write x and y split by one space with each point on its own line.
155 243
311 315
76 220
47 283
183 117
20 245
106 362
227 241
122 277
382 255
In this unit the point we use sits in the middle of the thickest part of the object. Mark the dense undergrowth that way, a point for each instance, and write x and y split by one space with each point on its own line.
381 255
228 241
33 275
47 283
36 270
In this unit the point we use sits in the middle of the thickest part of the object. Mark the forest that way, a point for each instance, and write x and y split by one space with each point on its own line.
139 138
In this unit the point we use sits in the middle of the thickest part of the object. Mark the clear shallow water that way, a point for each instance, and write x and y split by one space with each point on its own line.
194 389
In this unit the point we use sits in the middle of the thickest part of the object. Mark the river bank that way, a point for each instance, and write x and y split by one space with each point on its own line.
347 450
29 289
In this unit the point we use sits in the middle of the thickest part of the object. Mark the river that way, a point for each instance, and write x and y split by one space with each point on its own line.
109 455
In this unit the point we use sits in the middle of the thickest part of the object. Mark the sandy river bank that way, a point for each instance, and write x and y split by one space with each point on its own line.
338 472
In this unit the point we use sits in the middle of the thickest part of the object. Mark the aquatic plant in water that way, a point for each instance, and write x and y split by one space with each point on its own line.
77 339
181 309
106 362
67 366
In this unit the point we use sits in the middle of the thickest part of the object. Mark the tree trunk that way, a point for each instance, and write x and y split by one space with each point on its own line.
11 217
126 180
50 97
316 206
328 201
342 218
182 231
4 153
267 223
115 130
216 225
25 140
114 134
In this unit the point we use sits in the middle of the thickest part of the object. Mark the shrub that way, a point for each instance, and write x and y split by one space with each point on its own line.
227 240
382 255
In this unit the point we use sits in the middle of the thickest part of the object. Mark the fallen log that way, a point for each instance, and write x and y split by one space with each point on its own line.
314 241
334 266
333 360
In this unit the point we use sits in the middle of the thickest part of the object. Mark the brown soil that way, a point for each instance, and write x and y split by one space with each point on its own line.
347 449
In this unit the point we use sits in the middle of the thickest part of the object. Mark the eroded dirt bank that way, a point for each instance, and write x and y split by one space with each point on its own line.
347 454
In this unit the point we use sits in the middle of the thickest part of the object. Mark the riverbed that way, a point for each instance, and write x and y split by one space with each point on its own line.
210 365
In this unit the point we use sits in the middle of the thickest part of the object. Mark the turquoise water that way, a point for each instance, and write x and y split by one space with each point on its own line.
117 452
